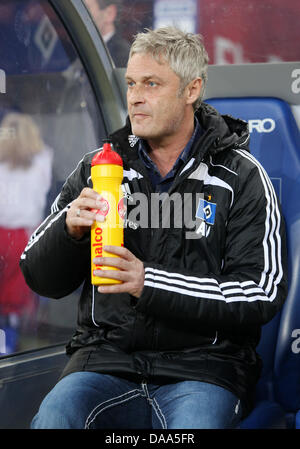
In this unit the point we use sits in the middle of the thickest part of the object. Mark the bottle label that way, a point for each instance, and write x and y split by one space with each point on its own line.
122 209
104 210
97 245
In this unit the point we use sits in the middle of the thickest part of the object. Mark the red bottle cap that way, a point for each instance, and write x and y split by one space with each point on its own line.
107 156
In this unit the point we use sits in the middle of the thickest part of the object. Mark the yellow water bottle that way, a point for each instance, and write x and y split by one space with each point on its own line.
107 175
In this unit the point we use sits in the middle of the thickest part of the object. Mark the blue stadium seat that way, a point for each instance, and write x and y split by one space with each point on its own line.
287 357
298 420
275 143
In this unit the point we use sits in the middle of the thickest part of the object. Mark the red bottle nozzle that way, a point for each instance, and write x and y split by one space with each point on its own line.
107 156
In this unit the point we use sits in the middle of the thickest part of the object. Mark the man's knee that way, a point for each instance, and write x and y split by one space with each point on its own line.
62 407
50 418
76 401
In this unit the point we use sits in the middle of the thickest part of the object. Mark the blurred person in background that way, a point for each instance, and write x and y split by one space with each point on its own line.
105 13
25 178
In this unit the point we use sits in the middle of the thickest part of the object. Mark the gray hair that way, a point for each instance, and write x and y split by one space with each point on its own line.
184 52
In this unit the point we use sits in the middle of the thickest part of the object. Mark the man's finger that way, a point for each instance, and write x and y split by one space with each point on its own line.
87 192
119 251
116 262
116 288
112 274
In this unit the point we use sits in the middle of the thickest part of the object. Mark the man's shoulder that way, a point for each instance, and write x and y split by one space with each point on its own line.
88 157
123 141
237 160
118 42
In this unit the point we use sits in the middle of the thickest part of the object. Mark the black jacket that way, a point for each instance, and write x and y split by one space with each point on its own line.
204 299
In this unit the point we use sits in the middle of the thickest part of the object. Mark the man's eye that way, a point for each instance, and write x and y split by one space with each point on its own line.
152 83
130 83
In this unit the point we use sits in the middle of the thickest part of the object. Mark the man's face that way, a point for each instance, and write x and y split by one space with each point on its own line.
98 14
155 108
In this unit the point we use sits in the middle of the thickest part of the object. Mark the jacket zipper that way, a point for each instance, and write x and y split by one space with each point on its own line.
206 143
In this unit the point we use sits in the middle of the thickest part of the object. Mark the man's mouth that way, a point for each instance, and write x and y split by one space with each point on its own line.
140 115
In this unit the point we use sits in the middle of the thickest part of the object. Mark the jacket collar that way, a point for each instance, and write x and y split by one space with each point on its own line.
221 132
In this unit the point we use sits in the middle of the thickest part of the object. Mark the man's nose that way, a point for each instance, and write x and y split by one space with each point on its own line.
135 95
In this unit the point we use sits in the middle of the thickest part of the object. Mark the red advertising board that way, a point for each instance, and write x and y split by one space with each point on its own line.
241 31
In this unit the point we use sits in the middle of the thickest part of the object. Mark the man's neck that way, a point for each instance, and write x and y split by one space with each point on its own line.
164 152
107 31
107 36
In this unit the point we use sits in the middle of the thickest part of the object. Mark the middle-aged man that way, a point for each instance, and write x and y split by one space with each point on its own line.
105 14
173 345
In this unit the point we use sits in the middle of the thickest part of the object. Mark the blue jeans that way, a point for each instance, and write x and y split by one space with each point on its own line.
85 400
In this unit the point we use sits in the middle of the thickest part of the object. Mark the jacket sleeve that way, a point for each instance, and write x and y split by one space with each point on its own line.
53 263
252 283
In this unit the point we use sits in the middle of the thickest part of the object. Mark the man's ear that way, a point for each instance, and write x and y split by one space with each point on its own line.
193 90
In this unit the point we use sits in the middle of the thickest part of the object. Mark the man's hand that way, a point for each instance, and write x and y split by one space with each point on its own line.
83 212
131 271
